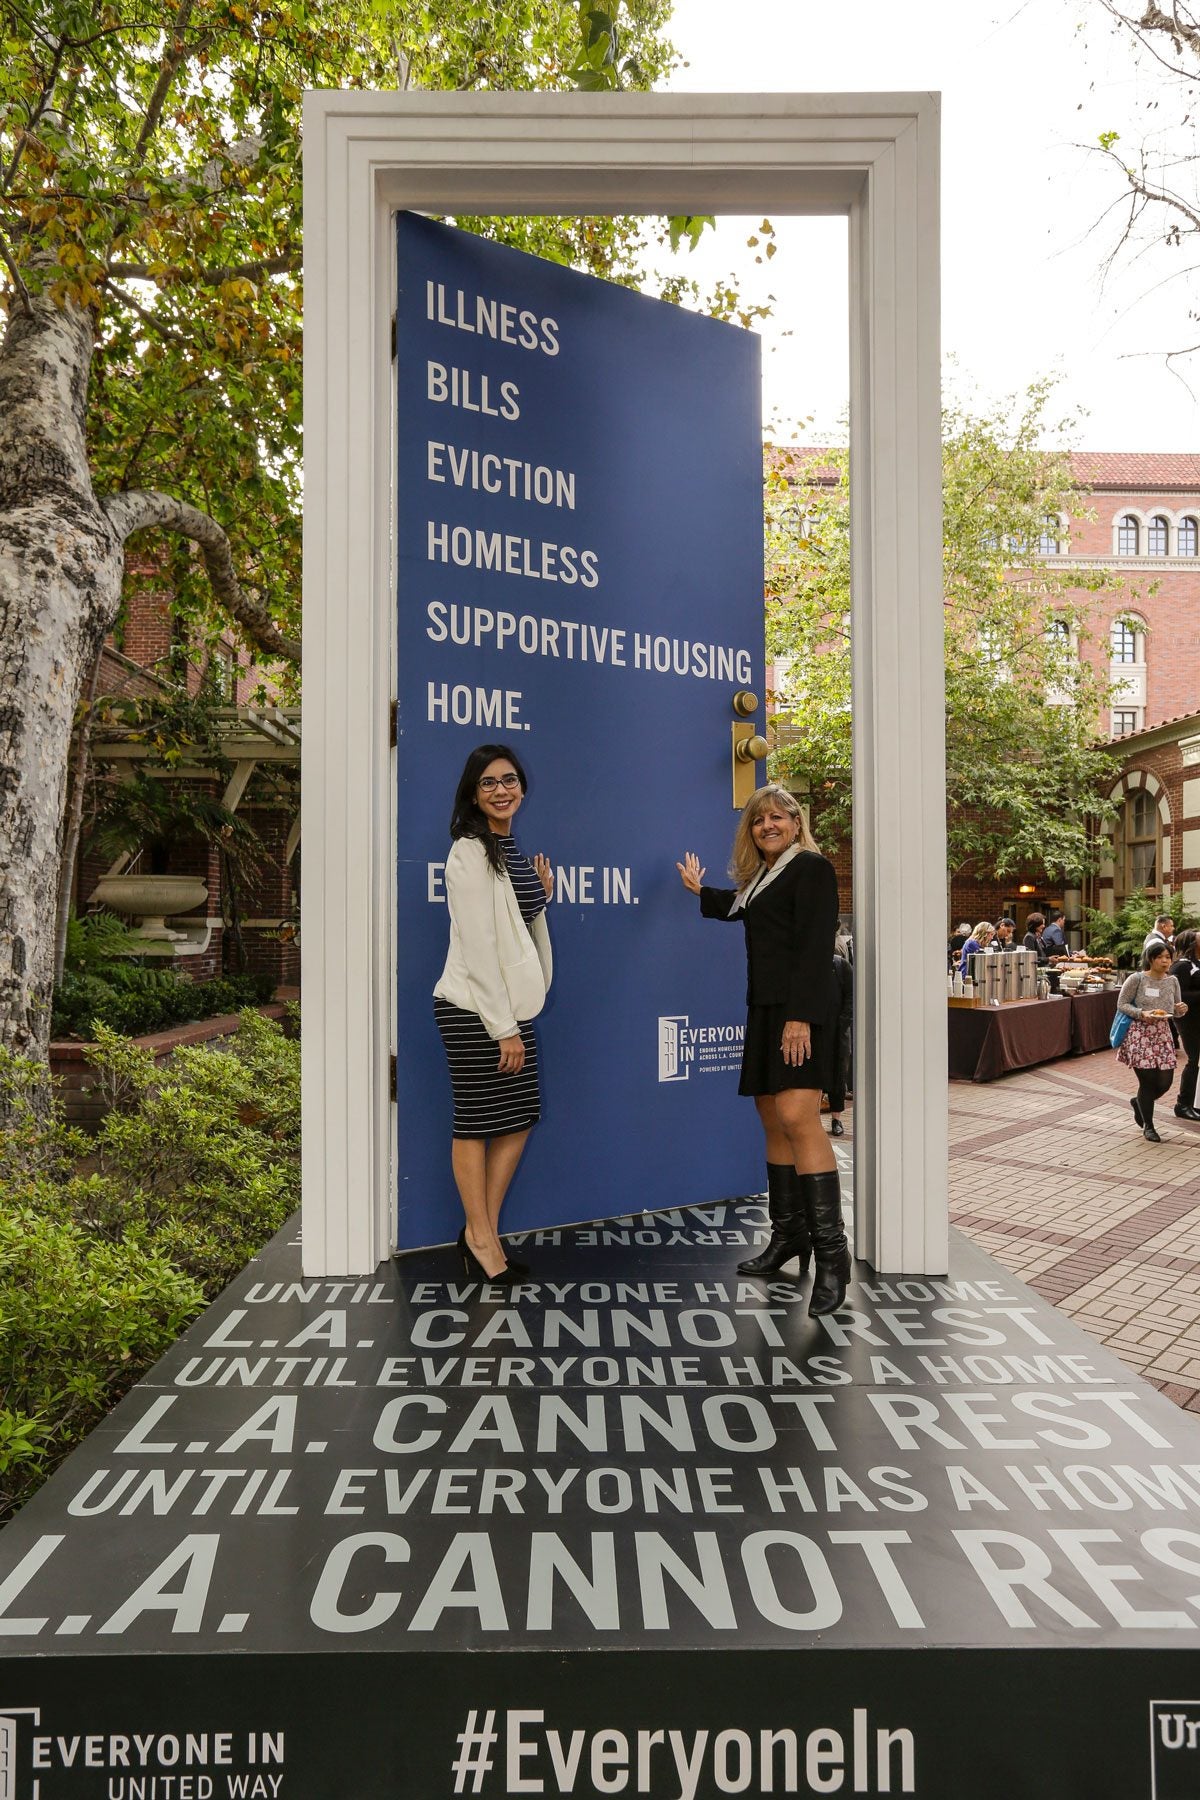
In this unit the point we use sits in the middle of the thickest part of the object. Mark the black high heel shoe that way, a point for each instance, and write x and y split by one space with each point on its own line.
473 1267
518 1268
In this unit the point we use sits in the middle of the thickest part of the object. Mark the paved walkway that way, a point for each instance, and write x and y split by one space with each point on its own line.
1050 1175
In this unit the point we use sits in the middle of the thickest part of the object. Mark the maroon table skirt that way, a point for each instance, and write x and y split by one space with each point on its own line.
1091 1020
987 1041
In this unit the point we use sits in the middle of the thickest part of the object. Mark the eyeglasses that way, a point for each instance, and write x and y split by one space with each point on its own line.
488 783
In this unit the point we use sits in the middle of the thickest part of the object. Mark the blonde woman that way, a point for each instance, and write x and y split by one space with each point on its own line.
786 897
979 940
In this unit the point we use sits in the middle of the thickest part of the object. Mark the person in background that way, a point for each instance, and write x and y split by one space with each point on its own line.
1163 933
1003 939
1035 937
842 1040
493 985
1186 970
957 940
1151 999
786 897
1054 938
979 940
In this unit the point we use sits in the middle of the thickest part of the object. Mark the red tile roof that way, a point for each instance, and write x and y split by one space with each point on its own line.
1128 737
1113 471
1129 471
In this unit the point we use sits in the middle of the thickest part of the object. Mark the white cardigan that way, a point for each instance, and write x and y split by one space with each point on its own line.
497 966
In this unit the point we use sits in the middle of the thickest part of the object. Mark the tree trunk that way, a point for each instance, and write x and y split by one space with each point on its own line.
73 821
61 564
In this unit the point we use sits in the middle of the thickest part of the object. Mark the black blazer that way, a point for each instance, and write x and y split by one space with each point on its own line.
790 928
1189 992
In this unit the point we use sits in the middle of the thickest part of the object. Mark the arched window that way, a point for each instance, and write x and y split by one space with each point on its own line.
1189 538
1048 543
1127 536
1123 641
1157 537
1141 835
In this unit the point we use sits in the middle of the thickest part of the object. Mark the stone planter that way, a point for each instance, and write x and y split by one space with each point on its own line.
153 899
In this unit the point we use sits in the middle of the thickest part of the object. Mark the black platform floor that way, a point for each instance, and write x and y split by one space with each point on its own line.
640 1526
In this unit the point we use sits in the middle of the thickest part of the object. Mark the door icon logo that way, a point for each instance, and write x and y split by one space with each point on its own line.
8 1757
11 1785
674 1053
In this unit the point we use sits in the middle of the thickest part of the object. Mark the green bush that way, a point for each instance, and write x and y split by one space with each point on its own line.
1121 934
110 1245
134 1000
80 1320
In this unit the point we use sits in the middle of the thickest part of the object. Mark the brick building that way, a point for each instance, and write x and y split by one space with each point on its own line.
1139 516
1145 525
144 657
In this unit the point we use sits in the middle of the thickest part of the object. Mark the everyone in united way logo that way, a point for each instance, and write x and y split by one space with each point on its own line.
1174 1749
685 1049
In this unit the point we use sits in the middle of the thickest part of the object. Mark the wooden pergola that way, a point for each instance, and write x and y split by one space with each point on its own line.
248 736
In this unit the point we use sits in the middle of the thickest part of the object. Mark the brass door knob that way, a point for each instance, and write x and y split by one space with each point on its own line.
748 749
745 703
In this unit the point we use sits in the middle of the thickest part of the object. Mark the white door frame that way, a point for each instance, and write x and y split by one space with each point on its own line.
873 157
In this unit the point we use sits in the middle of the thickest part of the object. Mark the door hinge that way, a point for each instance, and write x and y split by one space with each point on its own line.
391 1078
393 709
393 337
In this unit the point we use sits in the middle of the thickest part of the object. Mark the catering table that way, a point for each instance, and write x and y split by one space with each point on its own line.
987 1041
1091 1020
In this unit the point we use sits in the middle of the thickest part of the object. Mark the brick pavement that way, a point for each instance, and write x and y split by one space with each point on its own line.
1050 1175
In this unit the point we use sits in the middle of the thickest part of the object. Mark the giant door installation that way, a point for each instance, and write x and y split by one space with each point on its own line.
579 555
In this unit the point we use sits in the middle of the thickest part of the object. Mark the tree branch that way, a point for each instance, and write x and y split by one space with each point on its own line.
1163 197
172 62
1153 20
23 136
283 264
139 510
22 291
173 337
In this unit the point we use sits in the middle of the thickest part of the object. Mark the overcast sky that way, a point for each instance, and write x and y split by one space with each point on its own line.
1022 293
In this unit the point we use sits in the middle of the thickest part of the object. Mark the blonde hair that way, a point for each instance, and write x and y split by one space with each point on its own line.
746 860
984 930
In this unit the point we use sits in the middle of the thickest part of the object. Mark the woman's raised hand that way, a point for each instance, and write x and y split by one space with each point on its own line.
690 872
545 874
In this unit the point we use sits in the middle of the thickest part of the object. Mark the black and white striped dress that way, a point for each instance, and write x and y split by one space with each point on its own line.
486 1103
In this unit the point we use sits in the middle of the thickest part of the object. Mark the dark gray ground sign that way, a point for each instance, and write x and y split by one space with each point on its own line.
638 1527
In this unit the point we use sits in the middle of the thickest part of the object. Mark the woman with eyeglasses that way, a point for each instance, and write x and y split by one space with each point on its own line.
493 985
787 899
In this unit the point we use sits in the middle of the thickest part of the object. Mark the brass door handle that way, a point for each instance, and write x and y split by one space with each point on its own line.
747 750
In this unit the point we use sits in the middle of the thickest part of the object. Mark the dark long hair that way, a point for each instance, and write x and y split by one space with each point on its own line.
466 818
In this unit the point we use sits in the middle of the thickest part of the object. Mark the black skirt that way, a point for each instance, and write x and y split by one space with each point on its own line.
487 1104
763 1068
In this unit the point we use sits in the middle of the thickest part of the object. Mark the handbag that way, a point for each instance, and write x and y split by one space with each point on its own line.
1120 1026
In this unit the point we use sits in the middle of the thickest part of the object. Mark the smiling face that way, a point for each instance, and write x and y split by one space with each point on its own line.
499 794
773 831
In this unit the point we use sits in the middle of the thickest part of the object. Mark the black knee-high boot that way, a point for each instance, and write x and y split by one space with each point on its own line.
789 1228
823 1205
